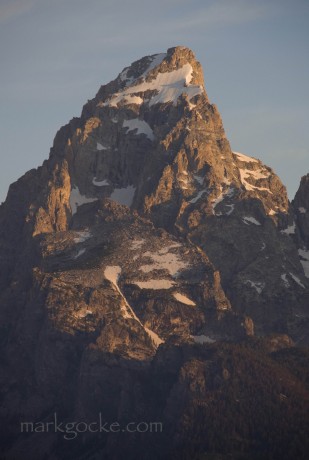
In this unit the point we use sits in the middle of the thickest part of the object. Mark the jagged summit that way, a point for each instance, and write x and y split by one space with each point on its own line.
177 68
159 78
148 67
130 136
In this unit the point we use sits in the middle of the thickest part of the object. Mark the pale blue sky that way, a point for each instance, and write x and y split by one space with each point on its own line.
55 54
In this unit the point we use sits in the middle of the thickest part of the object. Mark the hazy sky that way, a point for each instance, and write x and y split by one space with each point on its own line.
55 54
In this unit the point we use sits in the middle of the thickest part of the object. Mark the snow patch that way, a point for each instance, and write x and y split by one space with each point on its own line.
77 199
202 339
80 252
101 147
155 284
124 75
82 236
256 285
245 158
250 220
227 193
258 174
304 260
164 261
232 207
112 274
133 100
198 196
100 183
154 337
290 230
171 85
183 299
156 60
297 280
124 195
246 173
168 86
140 125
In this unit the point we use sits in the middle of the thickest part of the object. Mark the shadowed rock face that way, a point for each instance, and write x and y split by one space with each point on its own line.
141 235
301 209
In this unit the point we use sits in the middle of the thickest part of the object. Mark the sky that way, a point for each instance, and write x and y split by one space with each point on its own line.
55 54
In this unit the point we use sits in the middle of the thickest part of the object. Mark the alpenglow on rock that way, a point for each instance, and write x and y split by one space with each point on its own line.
142 236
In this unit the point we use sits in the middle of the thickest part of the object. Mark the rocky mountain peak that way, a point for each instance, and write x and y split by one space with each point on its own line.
152 136
151 141
141 242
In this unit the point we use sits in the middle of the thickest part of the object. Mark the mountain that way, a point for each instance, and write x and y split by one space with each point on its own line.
145 269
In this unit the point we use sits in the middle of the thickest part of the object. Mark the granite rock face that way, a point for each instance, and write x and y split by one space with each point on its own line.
141 236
